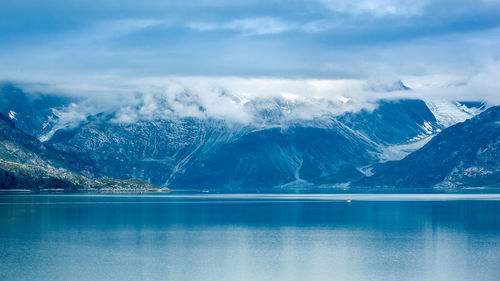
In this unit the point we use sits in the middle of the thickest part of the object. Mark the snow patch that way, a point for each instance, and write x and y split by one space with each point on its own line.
448 113
398 152
367 171
12 115
427 128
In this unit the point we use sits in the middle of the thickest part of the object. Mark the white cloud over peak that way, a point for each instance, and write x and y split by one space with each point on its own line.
243 100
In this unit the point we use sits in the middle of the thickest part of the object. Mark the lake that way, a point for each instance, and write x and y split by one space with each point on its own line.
250 237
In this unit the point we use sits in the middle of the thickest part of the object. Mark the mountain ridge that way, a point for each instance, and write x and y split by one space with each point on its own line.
277 150
465 154
26 163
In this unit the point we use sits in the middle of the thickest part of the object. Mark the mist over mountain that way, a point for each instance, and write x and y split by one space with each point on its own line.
183 140
34 113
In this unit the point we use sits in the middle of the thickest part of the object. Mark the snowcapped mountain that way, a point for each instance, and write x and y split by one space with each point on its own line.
275 151
464 155
181 141
35 113
449 113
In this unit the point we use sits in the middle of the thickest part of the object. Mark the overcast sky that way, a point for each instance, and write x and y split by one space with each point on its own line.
110 43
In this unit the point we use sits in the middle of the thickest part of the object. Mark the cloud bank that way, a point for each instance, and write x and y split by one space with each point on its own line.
261 101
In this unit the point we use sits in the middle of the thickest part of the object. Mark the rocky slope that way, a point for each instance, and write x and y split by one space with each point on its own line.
172 141
34 113
26 163
207 153
464 155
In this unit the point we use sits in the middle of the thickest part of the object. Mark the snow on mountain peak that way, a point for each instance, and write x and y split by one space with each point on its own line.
448 113
12 114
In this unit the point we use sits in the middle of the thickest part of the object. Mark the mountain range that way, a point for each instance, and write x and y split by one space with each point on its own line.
395 143
464 155
27 163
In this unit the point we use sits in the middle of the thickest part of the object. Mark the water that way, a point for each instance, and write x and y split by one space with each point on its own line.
250 237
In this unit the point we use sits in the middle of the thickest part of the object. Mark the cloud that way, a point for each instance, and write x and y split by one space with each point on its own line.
481 86
236 99
321 25
249 100
107 30
247 26
376 8
259 26
257 101
265 26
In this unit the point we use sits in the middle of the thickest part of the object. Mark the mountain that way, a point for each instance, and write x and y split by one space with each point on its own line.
329 150
206 153
464 155
26 163
394 122
280 156
34 113
179 141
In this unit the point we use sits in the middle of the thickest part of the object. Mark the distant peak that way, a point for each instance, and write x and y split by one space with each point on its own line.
386 87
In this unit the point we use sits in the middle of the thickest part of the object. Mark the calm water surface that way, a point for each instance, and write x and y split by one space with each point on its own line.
250 237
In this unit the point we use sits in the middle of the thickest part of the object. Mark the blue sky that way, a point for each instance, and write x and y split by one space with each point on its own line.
75 41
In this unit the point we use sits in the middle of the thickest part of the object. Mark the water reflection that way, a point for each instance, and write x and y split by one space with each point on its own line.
245 238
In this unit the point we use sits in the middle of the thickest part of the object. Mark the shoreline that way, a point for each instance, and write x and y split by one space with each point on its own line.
85 191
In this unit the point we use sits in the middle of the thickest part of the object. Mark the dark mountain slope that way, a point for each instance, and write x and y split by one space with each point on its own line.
34 113
463 155
207 153
27 163
279 156
393 122
276 148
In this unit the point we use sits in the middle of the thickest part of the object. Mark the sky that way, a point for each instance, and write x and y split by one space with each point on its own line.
444 48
